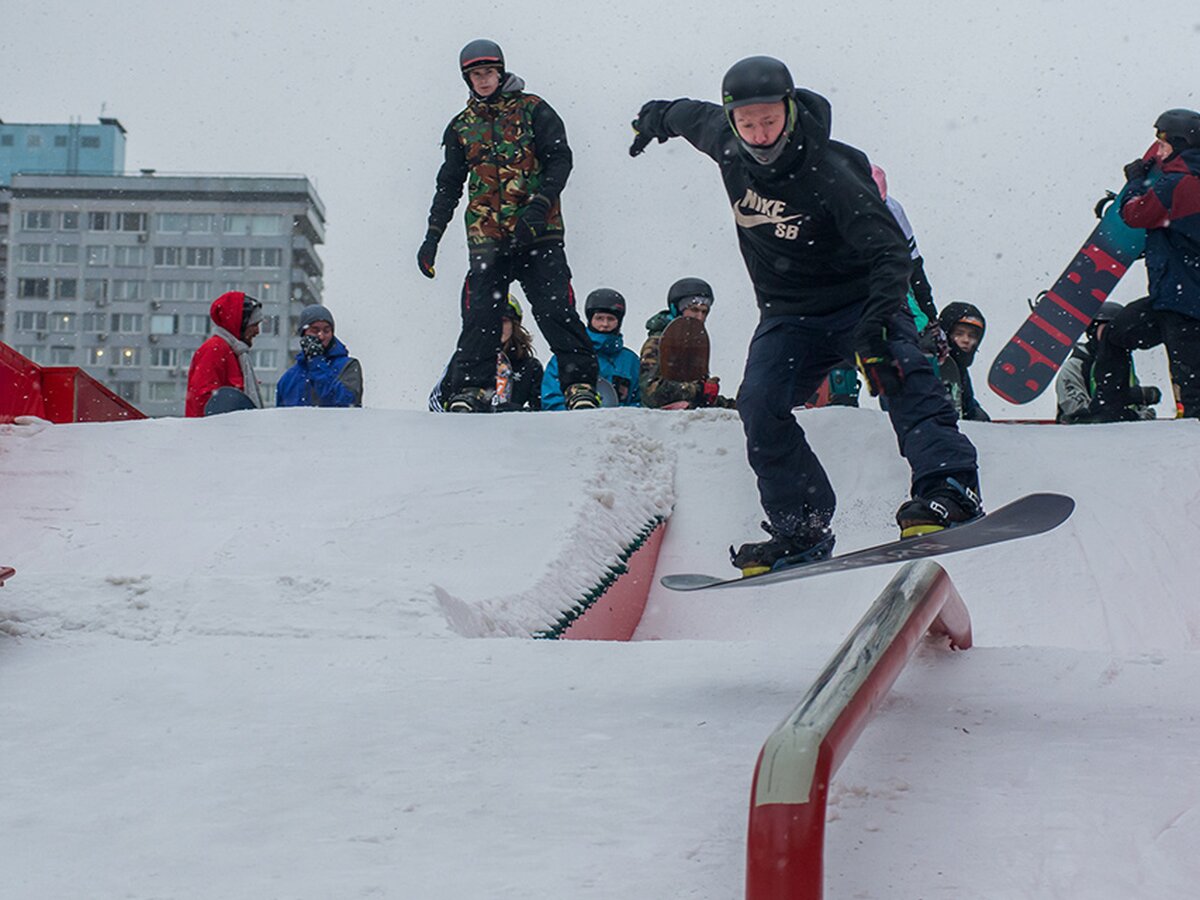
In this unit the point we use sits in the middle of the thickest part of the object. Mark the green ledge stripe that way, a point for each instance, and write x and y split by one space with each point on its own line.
578 606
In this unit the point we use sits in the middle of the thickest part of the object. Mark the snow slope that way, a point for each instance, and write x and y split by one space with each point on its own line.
282 654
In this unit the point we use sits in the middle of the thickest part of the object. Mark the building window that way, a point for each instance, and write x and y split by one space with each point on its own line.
166 257
37 254
261 225
62 322
67 254
128 290
70 221
233 258
265 359
66 288
93 323
179 290
62 356
265 257
127 323
162 391
268 291
32 352
33 140
89 143
181 223
161 323
31 321
194 324
33 288
98 221
128 356
95 289
36 220
163 357
6 140
270 325
131 221
198 257
199 223
60 140
129 256
97 255
99 356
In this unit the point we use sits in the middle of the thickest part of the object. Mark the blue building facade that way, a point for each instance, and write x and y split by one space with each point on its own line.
64 149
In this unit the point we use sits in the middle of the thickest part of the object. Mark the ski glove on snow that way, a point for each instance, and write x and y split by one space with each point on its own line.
649 125
427 254
531 223
880 369
311 346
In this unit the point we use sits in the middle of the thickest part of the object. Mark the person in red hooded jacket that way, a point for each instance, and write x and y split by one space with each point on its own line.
224 359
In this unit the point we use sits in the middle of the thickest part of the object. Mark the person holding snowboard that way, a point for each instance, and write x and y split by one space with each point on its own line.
1169 209
224 359
693 299
964 325
325 374
511 149
830 269
605 312
518 372
1075 387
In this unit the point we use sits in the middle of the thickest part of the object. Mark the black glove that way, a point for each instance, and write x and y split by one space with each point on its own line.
880 369
311 346
1138 169
531 221
649 125
933 342
427 254
1144 395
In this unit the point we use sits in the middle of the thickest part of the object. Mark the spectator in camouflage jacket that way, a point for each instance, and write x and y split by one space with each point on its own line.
692 298
510 148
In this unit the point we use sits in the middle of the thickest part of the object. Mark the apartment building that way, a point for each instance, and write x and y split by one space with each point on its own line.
115 273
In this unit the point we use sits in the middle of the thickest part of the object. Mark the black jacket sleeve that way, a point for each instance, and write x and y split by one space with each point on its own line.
553 151
450 179
923 290
701 124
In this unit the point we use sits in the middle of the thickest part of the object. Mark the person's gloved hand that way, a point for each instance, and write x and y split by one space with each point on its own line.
427 254
311 346
531 221
1138 169
649 125
880 369
712 389
1144 395
622 386
933 341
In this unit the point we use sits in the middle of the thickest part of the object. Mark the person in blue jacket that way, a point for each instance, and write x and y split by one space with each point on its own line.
325 374
604 311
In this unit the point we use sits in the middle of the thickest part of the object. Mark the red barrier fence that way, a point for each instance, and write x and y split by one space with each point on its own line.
56 393
786 841
6 572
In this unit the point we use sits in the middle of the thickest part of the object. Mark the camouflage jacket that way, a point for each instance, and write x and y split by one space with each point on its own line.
507 148
657 391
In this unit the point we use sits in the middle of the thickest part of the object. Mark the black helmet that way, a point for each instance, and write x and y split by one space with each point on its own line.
479 53
512 310
961 312
1106 313
760 79
605 300
252 313
1180 127
686 289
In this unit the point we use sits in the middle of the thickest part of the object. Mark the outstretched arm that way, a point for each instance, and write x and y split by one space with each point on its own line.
701 124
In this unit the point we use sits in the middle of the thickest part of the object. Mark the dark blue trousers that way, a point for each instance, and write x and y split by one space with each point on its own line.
789 357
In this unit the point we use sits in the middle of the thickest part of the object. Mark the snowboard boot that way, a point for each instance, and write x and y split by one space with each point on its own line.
780 551
581 395
470 400
945 505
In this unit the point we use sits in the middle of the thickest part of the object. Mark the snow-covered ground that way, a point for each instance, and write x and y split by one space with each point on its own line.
282 654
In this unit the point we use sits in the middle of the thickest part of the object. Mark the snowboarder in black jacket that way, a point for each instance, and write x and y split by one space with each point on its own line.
964 326
830 269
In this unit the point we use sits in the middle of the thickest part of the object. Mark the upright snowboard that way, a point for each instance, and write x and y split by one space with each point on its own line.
1025 516
608 393
683 350
1028 363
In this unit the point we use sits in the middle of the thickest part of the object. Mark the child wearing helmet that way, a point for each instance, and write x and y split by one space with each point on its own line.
604 311
1169 209
964 327
693 298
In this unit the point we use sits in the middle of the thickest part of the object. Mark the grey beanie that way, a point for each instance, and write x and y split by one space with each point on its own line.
316 313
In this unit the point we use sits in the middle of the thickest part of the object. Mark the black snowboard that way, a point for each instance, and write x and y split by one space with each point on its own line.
1025 516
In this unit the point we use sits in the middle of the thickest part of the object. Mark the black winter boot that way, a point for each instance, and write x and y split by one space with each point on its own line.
781 550
470 400
944 505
